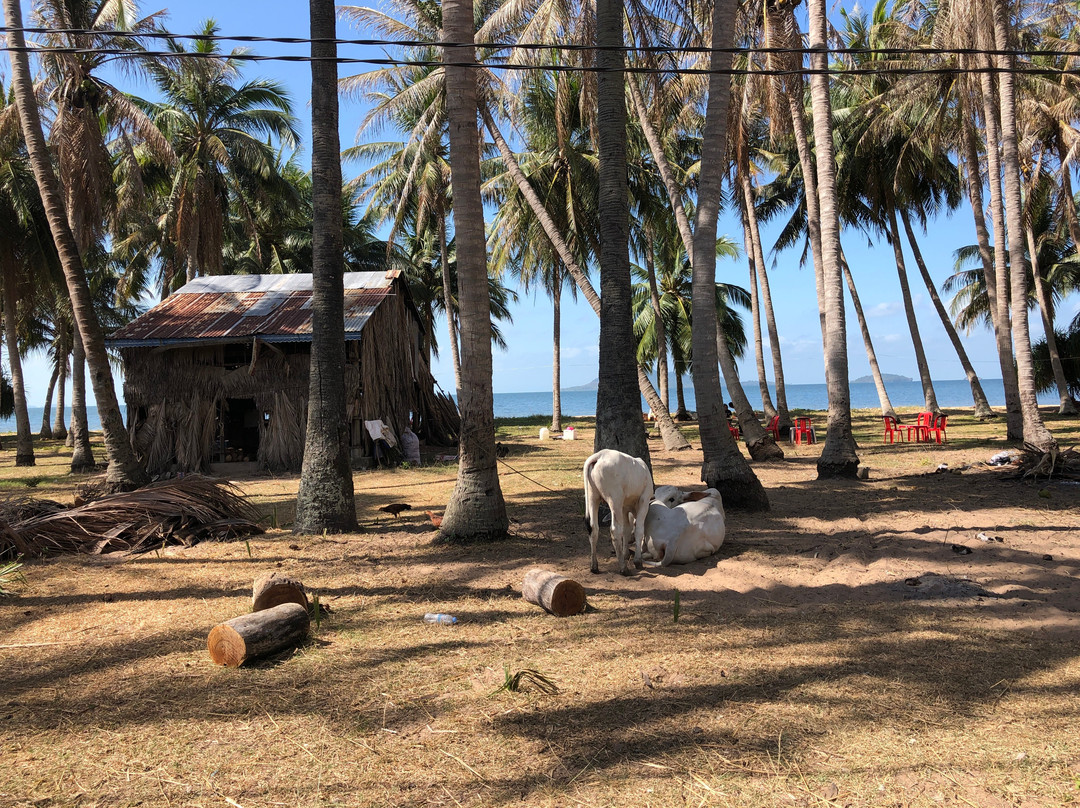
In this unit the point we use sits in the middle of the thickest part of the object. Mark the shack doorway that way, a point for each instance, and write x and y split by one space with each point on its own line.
239 419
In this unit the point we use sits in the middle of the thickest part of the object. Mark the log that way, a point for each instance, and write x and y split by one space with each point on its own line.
558 595
236 641
273 589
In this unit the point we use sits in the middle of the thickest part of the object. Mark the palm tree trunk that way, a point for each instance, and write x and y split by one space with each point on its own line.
476 510
1066 405
1067 194
661 332
59 427
723 466
82 456
796 113
46 432
660 158
448 303
618 412
929 396
1014 417
871 355
673 439
760 443
556 368
755 315
1002 341
838 456
724 456
123 470
24 440
1035 431
767 306
982 406
681 413
325 500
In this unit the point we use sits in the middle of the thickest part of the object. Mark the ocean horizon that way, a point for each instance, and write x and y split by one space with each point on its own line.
951 394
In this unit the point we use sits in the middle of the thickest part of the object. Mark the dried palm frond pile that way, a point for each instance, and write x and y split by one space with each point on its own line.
1055 464
185 511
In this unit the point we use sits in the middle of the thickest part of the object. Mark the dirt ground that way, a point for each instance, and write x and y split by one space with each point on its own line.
858 645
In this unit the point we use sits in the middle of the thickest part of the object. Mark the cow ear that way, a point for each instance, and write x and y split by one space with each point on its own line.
695 496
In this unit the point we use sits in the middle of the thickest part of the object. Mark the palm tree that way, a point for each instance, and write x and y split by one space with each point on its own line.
1035 431
325 498
216 152
123 470
908 163
618 414
794 187
674 284
748 116
561 169
23 255
87 108
838 457
724 466
476 510
1043 232
408 185
1069 344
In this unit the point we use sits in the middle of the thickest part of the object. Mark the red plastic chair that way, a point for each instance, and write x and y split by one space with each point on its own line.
804 431
774 427
893 430
921 431
937 429
734 430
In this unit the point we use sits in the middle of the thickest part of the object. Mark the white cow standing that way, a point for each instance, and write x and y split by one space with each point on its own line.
686 532
625 484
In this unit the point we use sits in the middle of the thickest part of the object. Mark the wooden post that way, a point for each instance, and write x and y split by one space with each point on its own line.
235 641
272 590
558 595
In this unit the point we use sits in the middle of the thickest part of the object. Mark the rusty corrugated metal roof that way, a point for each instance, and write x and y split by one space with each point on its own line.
230 308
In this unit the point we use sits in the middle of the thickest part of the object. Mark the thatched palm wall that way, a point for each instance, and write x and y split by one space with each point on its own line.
175 395
180 392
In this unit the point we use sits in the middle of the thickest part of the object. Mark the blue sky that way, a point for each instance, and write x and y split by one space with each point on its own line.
526 365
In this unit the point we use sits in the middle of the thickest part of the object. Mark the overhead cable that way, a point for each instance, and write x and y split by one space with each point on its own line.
539 46
1022 69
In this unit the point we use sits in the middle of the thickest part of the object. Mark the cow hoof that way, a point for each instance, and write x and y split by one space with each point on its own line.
594 570
626 573
638 564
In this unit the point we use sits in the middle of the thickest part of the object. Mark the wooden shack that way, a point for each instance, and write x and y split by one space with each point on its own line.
218 371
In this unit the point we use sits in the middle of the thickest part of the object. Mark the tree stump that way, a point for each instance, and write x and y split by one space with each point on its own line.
236 641
272 590
558 595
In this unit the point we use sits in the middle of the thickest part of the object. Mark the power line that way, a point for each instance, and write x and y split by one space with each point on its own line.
703 71
541 46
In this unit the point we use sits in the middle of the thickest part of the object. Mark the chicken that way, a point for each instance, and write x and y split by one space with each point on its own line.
395 509
436 520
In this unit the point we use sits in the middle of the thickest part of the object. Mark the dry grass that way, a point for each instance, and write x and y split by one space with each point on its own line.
802 671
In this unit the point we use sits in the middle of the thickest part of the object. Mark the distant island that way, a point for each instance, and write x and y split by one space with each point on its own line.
584 388
885 377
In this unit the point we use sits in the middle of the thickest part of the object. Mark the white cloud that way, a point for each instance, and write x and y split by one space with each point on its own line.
886 309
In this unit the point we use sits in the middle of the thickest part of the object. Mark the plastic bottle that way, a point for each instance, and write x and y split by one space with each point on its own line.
441 619
544 433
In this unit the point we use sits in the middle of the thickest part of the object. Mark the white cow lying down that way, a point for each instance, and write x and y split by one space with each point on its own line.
670 495
686 532
625 484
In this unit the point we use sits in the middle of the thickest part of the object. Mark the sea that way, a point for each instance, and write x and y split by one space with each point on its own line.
951 394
